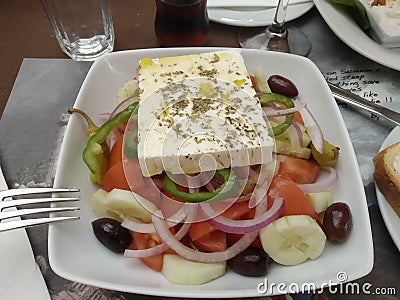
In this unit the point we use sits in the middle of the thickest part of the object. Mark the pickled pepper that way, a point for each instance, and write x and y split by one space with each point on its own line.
97 153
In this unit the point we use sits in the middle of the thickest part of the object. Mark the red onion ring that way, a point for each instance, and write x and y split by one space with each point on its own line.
272 113
139 253
124 104
204 257
322 185
243 226
295 138
312 126
135 226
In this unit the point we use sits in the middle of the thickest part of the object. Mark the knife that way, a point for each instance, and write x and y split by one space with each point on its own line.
350 98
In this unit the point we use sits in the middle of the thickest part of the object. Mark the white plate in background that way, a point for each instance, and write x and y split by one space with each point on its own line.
344 26
391 219
75 253
254 16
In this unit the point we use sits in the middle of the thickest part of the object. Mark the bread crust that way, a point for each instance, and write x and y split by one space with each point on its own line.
386 178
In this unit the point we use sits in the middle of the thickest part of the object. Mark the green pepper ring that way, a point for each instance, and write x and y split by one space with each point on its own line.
131 144
225 191
288 102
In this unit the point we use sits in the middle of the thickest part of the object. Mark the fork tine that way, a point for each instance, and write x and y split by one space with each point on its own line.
20 202
31 211
33 222
26 191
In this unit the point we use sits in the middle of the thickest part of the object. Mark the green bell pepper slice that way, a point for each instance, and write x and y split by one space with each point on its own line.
286 101
131 144
225 191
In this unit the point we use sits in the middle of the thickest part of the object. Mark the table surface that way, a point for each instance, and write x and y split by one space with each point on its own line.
45 88
26 32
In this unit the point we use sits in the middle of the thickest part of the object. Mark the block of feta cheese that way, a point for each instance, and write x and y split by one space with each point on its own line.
384 16
224 65
192 123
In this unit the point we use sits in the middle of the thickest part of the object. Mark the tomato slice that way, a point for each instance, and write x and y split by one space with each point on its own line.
214 241
134 175
200 229
115 178
298 169
149 240
254 82
145 241
116 152
232 238
295 201
298 118
237 210
234 212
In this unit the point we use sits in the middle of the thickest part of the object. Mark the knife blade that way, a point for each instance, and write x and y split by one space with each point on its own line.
355 100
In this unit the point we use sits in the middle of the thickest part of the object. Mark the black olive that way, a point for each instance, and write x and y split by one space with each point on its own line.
252 262
337 222
111 234
282 85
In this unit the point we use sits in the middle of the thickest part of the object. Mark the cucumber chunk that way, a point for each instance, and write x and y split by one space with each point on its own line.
178 270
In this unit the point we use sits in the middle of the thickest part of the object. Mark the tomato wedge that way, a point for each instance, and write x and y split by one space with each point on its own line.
295 201
149 240
298 169
115 178
116 152
214 241
234 212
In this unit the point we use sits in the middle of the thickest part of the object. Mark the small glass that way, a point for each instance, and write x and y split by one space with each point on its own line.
181 22
83 28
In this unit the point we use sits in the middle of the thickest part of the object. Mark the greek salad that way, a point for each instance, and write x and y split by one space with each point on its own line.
242 219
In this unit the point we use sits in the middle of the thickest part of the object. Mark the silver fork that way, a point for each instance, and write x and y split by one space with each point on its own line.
7 221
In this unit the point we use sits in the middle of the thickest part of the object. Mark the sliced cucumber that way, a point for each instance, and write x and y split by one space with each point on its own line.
126 204
291 240
320 201
98 204
178 270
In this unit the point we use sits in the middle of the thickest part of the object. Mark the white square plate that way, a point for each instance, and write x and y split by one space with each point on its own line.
75 253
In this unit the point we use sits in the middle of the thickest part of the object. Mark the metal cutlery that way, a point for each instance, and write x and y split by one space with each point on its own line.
9 218
355 100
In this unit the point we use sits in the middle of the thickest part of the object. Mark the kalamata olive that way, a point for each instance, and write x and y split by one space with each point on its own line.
282 85
111 234
251 262
337 222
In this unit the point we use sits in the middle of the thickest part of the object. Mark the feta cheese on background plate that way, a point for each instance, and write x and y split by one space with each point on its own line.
385 21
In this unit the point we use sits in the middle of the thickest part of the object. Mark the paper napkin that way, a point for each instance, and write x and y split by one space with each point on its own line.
20 276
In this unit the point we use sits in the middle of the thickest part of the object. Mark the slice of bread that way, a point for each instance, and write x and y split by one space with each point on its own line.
387 175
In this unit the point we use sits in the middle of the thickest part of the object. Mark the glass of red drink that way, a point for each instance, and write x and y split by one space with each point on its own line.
181 22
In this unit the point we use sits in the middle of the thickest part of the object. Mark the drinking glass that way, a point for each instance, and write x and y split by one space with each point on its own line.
83 28
276 37
181 22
